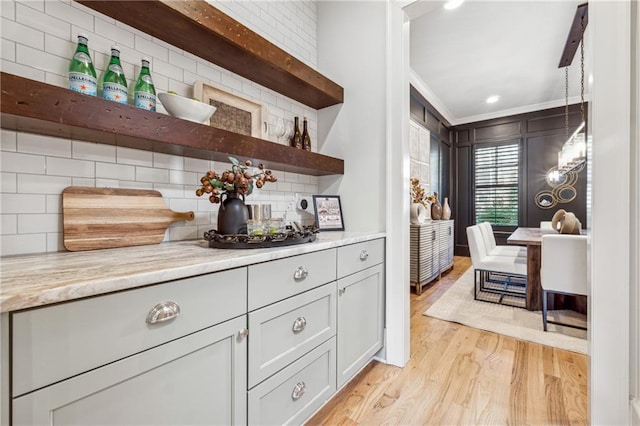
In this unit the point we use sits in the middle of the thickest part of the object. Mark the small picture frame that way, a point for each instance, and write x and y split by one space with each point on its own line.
328 211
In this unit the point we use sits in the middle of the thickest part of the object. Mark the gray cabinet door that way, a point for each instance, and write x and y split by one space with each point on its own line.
360 320
197 379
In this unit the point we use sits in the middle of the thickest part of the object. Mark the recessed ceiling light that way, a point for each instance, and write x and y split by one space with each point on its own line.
493 99
452 4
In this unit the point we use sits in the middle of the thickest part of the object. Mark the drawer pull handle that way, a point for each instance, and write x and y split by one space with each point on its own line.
298 391
299 324
301 273
364 255
163 312
243 333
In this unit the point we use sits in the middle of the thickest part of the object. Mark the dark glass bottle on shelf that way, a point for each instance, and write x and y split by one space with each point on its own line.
296 139
306 140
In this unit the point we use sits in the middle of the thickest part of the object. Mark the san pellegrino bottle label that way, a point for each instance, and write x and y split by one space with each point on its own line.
144 94
114 83
82 74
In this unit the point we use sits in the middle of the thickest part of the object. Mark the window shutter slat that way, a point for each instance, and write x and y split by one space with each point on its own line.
496 184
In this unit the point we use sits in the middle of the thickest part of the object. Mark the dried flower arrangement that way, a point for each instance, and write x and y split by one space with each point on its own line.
418 195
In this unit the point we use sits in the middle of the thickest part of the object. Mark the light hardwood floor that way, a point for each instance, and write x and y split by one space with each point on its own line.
460 375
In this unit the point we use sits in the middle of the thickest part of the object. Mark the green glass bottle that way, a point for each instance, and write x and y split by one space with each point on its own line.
306 139
296 138
82 74
114 83
144 93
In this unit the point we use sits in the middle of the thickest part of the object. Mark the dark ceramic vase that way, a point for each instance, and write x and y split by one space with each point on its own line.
233 214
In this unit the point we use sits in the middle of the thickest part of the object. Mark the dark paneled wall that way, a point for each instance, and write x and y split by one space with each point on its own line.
440 146
541 135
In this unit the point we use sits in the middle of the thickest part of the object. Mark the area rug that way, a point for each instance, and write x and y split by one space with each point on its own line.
457 305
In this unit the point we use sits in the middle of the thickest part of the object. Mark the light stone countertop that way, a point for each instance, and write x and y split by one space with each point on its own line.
35 280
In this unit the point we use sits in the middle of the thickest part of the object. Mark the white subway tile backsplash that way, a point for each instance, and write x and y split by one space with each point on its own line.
134 157
22 244
22 203
179 60
41 60
55 241
68 13
36 223
30 143
119 35
54 203
8 9
76 181
166 161
196 165
33 177
38 184
151 49
22 70
67 167
22 163
93 151
179 177
8 182
115 171
148 174
27 15
8 224
8 140
170 191
21 34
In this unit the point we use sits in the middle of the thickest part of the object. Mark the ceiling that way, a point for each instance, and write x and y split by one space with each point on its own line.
511 49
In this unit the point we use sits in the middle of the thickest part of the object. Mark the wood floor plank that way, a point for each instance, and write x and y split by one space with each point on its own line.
458 375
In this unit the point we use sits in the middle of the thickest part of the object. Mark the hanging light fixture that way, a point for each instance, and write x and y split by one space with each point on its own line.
572 156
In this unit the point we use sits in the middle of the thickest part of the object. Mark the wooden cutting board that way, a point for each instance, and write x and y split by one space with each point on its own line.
98 218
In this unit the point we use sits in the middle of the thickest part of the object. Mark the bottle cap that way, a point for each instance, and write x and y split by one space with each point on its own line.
115 47
146 58
83 35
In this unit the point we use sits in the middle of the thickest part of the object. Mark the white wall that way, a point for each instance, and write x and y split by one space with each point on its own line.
38 38
634 341
360 44
609 34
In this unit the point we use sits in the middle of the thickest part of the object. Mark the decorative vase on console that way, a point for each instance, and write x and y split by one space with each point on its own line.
229 189
436 208
446 210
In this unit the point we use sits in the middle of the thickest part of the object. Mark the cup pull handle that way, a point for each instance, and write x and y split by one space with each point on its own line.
162 312
300 273
298 391
299 324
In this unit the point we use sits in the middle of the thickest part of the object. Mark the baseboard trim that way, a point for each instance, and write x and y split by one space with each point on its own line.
635 412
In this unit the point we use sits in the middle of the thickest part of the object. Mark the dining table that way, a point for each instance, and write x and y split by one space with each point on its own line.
532 238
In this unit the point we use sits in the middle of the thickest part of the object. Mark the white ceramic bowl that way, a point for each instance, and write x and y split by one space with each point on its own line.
185 108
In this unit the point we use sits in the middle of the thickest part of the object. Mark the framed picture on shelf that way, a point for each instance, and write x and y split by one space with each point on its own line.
234 113
328 211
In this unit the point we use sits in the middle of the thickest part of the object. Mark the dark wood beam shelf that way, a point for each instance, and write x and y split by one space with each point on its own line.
203 30
35 107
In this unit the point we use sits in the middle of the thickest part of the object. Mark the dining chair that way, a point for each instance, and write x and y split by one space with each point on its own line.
497 274
563 270
546 224
493 249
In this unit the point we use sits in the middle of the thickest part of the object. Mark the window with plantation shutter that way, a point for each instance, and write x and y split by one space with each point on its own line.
496 184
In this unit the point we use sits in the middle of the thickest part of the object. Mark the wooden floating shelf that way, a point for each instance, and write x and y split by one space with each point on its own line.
36 107
201 29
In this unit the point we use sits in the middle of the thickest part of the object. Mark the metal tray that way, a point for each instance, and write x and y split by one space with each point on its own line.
244 241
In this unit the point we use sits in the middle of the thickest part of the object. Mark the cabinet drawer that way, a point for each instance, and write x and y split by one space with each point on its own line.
293 394
356 257
57 342
273 281
280 333
198 379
